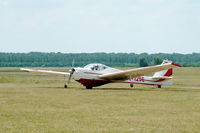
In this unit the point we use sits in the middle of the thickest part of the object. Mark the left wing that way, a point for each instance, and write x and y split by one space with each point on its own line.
44 71
133 73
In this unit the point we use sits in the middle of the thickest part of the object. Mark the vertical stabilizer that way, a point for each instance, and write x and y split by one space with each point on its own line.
164 73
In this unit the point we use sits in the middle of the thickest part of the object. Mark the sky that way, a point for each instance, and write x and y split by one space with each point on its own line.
75 26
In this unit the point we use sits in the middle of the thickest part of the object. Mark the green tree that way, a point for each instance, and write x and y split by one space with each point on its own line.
157 60
143 62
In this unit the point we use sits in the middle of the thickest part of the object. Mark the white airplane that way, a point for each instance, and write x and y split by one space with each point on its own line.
94 75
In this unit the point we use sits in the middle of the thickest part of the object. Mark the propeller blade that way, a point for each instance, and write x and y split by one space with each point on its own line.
73 62
71 73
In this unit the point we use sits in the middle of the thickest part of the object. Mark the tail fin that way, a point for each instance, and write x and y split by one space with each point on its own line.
165 73
164 77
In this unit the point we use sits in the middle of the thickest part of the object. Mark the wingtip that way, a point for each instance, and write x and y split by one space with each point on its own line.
170 62
176 64
21 69
24 69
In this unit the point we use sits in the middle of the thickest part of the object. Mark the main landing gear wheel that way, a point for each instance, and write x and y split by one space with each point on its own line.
159 86
88 87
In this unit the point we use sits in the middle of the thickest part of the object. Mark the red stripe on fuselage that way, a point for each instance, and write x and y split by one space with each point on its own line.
93 82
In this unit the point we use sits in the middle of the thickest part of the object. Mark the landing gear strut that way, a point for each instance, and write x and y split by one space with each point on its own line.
65 82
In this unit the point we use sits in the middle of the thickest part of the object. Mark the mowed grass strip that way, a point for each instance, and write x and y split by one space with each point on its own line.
38 103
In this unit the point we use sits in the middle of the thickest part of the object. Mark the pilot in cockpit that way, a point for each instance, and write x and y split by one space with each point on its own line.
96 67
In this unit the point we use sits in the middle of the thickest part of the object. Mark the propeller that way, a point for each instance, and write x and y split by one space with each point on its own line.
71 71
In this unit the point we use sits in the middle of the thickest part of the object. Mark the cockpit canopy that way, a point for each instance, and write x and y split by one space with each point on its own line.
96 67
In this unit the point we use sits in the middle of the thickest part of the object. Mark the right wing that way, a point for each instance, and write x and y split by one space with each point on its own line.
44 71
137 72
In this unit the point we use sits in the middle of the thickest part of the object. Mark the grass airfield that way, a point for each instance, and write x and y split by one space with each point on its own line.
38 103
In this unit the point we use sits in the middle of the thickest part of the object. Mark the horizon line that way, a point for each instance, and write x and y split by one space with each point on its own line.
99 52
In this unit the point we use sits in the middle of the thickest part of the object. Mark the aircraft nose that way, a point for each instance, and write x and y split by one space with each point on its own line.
72 70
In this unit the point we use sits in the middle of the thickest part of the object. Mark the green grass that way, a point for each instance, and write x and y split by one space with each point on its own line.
38 103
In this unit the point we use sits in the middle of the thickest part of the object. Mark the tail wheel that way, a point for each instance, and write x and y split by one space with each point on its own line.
65 86
88 87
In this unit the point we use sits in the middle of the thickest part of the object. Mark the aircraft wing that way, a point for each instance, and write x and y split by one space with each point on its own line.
137 72
44 71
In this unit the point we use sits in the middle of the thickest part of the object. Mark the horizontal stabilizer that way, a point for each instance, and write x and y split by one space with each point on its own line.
162 77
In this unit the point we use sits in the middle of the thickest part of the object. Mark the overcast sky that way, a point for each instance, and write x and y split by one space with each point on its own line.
137 26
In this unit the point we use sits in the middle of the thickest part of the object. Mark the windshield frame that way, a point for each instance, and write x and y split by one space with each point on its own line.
96 66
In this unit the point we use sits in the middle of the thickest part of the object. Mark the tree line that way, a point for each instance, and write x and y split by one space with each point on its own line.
40 59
